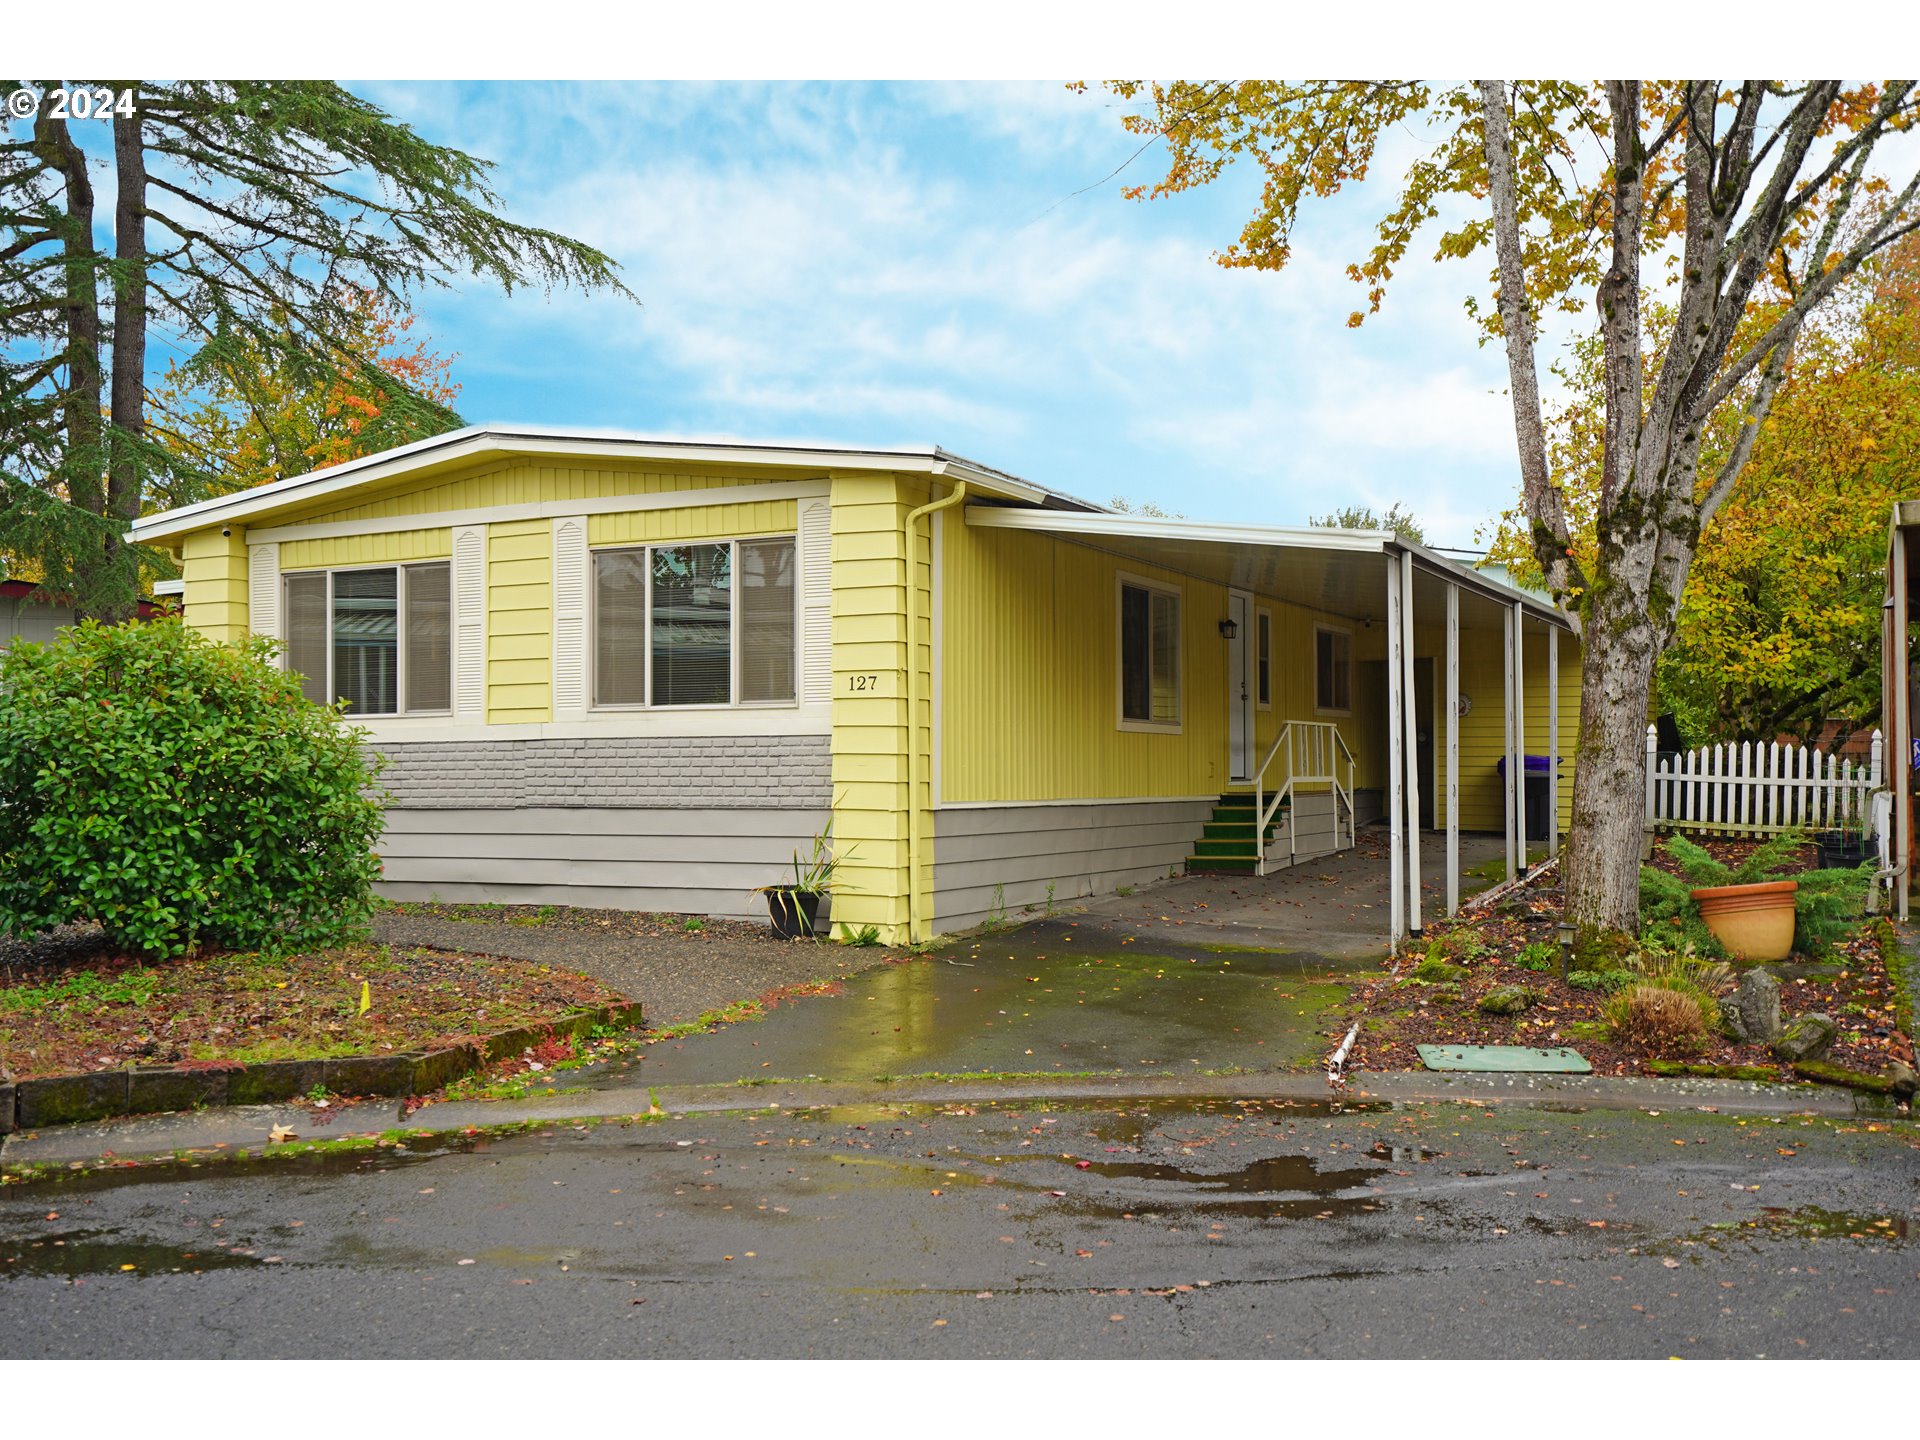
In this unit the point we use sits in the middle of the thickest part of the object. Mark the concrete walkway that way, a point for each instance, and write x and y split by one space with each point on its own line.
1335 907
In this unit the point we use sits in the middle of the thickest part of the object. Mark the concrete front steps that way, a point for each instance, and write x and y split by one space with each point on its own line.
1226 843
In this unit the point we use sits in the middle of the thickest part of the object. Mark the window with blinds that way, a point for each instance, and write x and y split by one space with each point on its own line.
1149 655
702 624
379 639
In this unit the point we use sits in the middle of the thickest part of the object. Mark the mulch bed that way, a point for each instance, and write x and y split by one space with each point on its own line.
1855 976
68 1003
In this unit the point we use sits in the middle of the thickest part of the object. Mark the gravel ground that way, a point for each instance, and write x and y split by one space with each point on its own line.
676 974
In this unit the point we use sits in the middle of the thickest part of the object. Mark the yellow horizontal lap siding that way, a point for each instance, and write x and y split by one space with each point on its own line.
870 788
694 522
214 567
399 547
520 623
522 482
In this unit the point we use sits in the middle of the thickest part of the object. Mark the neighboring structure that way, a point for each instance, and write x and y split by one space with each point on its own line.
26 613
641 672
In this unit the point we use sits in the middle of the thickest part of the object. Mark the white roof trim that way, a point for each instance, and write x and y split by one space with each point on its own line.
477 441
1315 537
1153 527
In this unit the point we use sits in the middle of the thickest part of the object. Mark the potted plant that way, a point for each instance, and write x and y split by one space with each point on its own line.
1749 909
794 905
1842 849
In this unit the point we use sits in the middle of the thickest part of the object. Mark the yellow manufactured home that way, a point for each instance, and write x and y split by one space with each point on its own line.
640 672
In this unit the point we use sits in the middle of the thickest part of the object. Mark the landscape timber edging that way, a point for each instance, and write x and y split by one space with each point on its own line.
135 1090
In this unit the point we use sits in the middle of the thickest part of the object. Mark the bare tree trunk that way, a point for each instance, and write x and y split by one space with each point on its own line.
115 596
84 460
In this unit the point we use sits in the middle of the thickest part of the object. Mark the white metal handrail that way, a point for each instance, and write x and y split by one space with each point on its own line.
1315 750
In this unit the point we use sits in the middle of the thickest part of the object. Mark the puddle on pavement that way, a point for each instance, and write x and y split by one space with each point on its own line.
1055 998
78 1253
1813 1222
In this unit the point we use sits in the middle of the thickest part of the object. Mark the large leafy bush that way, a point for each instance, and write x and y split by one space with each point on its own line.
179 792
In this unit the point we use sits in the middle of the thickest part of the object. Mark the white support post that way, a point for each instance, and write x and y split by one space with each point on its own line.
1453 749
1553 740
1901 689
1518 770
1409 710
1396 814
1507 780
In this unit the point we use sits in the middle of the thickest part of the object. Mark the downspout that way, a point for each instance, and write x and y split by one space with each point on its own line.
911 534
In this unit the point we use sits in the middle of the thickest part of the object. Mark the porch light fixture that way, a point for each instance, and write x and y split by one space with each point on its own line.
1229 629
1566 946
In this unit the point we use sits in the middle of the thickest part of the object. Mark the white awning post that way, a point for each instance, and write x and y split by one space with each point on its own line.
1517 771
1453 750
1396 816
1506 781
1553 740
1410 751
1902 729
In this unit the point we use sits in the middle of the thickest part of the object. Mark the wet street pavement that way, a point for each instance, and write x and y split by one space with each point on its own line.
1170 1228
1054 997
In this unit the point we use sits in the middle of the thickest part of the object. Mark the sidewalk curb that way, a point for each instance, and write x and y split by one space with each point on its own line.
240 1129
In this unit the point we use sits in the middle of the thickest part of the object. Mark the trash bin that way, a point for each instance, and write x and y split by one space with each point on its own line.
1535 802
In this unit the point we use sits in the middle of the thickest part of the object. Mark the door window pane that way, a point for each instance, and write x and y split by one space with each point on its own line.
429 637
692 629
1264 627
766 620
620 627
306 653
366 640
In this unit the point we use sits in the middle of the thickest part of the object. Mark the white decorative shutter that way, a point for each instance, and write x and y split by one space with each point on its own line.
570 618
263 590
470 624
816 602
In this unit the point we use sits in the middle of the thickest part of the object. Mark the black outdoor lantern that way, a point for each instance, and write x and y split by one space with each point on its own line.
1229 628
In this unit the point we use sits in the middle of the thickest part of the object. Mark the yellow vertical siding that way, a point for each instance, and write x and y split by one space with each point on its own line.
520 623
397 547
215 568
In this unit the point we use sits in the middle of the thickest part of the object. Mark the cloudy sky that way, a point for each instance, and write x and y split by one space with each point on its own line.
912 264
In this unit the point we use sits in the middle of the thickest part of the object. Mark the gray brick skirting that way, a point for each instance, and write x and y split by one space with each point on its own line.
681 773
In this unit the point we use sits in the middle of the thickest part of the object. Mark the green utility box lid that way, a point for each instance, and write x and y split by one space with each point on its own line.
1510 1058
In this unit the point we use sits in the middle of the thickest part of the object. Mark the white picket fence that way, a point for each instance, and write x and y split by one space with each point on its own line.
1761 789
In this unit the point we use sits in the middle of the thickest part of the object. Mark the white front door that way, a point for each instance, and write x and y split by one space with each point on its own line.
1240 686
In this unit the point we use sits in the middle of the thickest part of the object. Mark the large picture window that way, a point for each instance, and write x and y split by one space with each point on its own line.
1149 656
379 639
1332 671
699 624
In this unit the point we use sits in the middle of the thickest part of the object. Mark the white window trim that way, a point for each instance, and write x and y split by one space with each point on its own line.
1346 630
734 542
1121 580
1262 613
400 632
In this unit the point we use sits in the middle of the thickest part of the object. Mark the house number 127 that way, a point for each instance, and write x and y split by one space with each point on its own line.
863 682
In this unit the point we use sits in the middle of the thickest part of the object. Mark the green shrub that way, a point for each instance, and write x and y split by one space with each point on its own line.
179 792
1826 907
1461 944
1607 980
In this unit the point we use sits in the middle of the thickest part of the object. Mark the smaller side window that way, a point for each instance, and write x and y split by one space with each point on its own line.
1333 671
1263 658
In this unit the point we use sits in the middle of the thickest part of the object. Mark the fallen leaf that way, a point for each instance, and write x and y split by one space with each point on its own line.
280 1134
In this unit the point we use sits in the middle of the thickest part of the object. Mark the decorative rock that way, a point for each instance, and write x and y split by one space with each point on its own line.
1506 1000
1752 1012
1901 1080
1807 1038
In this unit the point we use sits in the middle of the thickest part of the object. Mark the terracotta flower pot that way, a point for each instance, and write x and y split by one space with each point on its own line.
1754 922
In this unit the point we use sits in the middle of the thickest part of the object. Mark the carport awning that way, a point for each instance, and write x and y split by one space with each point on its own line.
1340 572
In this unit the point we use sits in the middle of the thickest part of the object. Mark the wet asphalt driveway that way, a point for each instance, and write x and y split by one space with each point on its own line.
1188 1228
